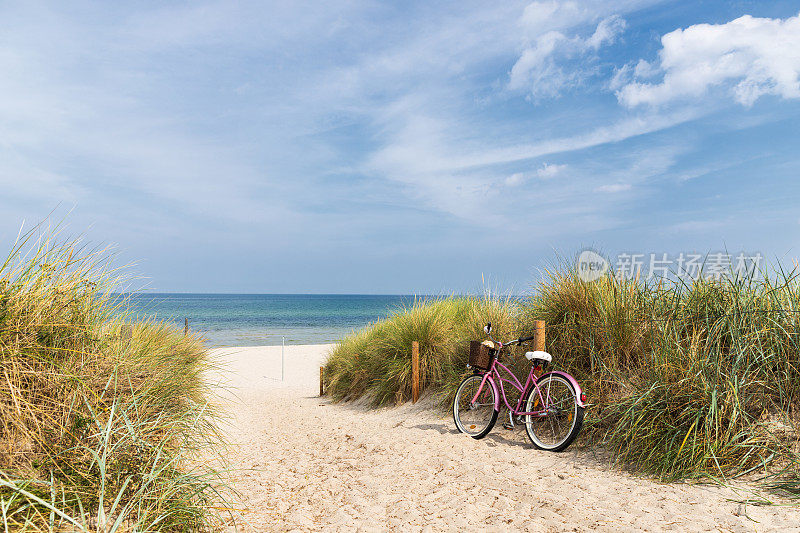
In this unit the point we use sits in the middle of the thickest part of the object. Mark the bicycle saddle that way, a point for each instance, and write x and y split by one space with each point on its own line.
540 355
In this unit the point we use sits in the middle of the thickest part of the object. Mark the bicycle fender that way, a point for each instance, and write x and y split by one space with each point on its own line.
574 383
488 378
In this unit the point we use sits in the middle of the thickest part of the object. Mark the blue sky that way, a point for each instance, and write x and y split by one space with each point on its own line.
370 147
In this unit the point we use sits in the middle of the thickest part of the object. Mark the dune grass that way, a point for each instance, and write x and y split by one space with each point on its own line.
102 420
686 380
376 361
689 380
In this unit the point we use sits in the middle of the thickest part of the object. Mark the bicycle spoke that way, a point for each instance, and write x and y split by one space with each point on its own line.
553 434
558 423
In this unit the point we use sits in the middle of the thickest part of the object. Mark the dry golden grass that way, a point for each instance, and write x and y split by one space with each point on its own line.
101 420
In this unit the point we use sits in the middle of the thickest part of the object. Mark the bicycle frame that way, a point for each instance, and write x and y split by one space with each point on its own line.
493 373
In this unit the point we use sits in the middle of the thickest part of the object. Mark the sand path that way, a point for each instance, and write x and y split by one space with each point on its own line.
310 465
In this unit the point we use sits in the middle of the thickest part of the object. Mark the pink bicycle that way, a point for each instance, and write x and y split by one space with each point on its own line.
551 406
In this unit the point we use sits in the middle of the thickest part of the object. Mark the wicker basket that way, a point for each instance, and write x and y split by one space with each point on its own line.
480 355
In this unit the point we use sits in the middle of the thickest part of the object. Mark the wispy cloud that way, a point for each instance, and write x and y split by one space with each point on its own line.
546 68
285 137
546 171
614 187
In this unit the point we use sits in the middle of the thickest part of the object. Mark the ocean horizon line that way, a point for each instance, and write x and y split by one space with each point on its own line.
178 293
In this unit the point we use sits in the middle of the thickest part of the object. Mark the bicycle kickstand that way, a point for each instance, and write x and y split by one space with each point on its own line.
510 423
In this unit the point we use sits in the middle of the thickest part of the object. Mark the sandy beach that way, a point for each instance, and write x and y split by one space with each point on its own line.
306 464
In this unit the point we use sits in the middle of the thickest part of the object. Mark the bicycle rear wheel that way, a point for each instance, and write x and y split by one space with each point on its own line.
561 418
475 419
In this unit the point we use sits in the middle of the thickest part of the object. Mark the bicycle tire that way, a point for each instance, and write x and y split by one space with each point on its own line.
577 415
457 401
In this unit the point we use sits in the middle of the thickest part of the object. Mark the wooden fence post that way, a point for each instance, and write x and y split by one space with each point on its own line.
321 380
414 371
185 326
538 336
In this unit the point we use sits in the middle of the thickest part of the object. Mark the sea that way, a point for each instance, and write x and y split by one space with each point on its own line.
267 319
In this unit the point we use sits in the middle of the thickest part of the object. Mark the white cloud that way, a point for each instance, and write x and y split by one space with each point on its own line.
606 32
559 15
614 187
695 226
542 68
425 153
545 172
537 70
750 56
550 171
626 73
616 132
549 15
643 69
621 77
422 155
517 178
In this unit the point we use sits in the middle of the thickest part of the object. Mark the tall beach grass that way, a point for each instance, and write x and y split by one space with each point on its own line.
690 380
376 361
697 379
103 421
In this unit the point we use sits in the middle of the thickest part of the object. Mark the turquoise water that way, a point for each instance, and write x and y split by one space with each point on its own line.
266 319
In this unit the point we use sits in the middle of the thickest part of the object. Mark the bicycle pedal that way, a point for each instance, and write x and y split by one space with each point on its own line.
508 425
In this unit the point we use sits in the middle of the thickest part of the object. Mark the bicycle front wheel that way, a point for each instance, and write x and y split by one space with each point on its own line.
560 417
477 418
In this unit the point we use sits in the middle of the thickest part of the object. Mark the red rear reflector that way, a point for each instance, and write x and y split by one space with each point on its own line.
583 397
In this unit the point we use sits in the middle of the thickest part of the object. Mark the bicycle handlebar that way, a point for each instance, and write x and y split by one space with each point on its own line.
516 341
